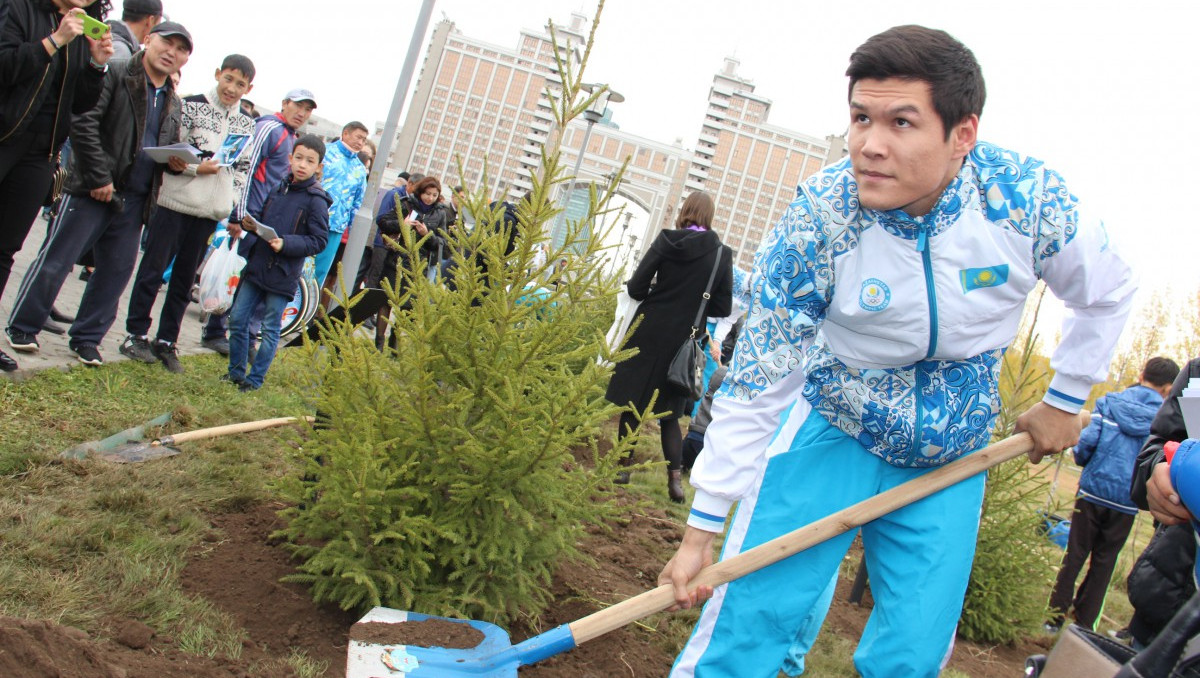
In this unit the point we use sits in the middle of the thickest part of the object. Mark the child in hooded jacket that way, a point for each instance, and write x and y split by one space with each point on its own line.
298 210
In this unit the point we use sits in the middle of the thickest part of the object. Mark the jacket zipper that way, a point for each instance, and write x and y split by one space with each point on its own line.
930 291
31 100
58 107
919 421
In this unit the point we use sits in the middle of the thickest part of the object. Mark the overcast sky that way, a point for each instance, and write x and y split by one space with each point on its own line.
1093 88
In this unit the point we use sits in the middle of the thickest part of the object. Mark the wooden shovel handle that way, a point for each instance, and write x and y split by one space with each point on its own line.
228 429
849 518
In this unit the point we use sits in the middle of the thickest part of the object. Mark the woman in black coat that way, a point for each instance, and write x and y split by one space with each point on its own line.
670 282
423 214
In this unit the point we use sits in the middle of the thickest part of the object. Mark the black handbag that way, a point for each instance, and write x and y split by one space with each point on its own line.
685 374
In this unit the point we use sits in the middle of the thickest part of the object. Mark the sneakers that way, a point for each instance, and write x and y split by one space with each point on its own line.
88 355
246 387
218 344
138 348
7 364
22 341
1051 629
169 355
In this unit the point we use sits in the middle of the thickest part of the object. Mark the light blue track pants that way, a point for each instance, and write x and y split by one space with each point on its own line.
919 557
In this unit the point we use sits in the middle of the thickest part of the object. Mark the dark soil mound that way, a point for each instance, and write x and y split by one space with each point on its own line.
239 571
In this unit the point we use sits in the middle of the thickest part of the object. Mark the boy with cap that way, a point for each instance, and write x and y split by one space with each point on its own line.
129 32
193 199
269 155
111 185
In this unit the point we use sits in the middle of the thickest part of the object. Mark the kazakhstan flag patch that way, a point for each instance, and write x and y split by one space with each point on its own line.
978 278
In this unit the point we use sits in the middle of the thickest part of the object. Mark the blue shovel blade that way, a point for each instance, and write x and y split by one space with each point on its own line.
494 656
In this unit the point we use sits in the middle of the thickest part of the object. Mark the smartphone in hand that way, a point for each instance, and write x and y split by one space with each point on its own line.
94 28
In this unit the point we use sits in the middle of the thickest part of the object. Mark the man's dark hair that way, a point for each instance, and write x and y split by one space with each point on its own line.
355 125
415 178
237 62
402 175
1160 371
134 17
311 141
931 56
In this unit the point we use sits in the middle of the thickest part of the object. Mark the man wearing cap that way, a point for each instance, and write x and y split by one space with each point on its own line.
110 189
130 31
269 153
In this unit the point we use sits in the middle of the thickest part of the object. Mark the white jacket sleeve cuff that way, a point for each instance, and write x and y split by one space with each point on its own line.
708 512
1067 394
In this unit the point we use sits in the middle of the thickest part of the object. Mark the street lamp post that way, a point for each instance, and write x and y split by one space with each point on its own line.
592 114
360 227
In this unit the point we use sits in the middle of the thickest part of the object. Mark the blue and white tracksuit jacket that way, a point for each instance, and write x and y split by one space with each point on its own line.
344 178
892 327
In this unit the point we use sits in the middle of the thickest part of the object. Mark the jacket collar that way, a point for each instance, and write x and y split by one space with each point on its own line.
215 100
280 118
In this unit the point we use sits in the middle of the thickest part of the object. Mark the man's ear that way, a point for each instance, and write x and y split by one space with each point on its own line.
964 135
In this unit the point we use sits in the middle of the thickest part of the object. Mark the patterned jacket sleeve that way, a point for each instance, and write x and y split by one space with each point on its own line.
1082 268
789 293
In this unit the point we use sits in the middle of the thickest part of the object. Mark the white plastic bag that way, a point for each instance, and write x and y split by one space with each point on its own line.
220 276
627 307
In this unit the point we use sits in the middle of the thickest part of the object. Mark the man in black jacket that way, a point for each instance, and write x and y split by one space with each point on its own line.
111 184
48 71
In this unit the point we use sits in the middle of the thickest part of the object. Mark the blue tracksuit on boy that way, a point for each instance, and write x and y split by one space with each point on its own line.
299 213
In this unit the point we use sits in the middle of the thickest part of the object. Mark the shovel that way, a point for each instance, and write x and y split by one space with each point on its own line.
142 450
495 656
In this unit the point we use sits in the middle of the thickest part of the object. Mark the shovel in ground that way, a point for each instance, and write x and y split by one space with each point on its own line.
135 451
495 656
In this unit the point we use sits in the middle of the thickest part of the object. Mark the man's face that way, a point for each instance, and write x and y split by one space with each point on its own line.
305 162
296 113
165 55
354 139
232 85
901 156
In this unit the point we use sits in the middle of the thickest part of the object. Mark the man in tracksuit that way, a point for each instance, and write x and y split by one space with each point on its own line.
882 303
111 187
1104 512
270 157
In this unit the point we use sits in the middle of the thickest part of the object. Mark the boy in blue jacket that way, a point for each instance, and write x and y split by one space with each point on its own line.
298 210
1104 512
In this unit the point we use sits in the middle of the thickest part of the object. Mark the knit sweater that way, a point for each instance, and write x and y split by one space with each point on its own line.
206 124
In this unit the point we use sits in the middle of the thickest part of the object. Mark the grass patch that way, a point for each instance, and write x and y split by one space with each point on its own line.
86 542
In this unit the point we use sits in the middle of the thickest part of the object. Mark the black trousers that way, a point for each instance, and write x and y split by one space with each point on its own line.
1097 532
82 224
170 235
26 172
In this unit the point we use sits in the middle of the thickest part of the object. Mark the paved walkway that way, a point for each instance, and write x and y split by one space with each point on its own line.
54 352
